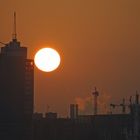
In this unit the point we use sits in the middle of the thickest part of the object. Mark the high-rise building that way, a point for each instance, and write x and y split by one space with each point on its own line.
16 92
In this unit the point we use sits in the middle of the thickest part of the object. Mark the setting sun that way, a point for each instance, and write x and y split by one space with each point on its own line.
47 59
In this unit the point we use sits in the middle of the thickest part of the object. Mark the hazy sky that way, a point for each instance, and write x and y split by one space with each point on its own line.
99 43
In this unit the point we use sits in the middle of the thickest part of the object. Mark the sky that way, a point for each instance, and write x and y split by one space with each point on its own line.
99 44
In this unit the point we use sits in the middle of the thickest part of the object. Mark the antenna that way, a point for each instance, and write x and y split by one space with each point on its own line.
14 29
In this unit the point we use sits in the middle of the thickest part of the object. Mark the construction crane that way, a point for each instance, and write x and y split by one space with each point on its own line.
119 105
123 105
95 95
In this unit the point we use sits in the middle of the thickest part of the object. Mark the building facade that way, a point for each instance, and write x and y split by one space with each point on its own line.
16 92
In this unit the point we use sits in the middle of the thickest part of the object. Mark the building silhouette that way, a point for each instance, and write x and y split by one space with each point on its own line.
90 127
73 111
16 92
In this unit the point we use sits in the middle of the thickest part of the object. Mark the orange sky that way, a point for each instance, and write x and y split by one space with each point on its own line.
99 42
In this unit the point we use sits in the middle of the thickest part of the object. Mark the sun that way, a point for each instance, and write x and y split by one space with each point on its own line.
47 59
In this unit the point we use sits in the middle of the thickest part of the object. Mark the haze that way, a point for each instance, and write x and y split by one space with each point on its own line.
99 44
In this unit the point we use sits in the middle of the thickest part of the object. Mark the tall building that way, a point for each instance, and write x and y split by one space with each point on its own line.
16 92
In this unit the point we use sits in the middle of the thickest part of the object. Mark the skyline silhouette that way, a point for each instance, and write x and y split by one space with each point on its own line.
18 120
98 42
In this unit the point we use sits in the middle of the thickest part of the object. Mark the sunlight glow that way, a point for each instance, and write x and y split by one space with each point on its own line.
47 59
